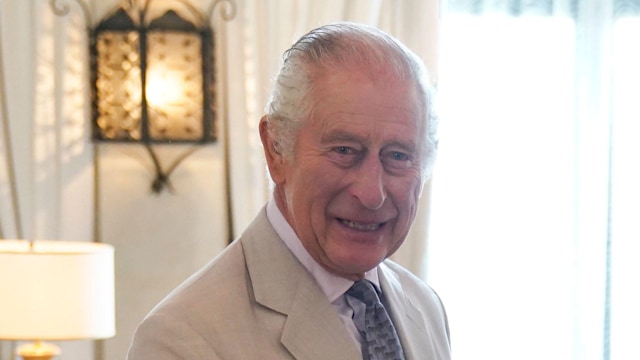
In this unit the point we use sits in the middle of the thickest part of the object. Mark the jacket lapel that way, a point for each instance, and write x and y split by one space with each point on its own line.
312 328
407 318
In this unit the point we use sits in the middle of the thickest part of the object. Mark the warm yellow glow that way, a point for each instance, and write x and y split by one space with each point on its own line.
165 88
58 290
38 351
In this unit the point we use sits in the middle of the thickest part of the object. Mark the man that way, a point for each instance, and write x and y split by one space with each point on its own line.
349 140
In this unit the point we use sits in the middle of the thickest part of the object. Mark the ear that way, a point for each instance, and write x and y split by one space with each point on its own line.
275 160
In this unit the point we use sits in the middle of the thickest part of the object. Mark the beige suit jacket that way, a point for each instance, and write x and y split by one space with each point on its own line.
256 301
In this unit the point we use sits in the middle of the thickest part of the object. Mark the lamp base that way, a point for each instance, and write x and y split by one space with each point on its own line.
38 351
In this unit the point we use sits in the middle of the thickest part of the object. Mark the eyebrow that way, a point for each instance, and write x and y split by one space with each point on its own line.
340 135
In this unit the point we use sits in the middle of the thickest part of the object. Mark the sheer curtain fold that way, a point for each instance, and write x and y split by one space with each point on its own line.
12 88
626 7
513 7
539 7
531 202
45 97
9 224
46 104
62 156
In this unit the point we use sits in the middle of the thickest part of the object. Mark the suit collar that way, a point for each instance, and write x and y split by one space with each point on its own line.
407 317
312 327
401 305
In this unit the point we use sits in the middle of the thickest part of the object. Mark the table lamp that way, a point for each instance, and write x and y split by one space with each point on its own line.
55 290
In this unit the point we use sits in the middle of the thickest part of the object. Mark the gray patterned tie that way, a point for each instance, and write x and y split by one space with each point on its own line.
379 338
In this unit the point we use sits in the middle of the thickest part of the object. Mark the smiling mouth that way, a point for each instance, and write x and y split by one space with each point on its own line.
359 226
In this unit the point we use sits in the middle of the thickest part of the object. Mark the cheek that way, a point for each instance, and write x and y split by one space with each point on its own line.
406 198
309 192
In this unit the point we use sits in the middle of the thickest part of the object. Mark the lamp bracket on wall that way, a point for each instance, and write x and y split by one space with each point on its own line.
161 179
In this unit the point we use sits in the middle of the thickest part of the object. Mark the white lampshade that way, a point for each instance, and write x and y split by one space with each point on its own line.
56 290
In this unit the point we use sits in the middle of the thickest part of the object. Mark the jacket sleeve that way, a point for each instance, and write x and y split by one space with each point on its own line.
161 337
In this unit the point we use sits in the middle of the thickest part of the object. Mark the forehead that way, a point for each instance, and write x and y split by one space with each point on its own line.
359 100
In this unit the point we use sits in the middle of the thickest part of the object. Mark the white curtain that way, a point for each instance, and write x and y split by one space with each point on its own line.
46 187
10 224
534 231
7 183
259 35
46 107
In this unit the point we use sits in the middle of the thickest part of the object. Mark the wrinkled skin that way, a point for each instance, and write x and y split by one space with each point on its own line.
351 189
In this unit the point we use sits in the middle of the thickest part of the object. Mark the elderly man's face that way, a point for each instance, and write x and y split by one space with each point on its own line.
351 190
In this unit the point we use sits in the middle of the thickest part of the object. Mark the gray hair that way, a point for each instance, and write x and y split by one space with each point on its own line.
336 45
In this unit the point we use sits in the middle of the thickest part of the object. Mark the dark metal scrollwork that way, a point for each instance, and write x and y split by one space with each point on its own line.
62 8
227 12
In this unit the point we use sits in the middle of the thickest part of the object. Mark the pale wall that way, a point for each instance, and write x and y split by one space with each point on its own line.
159 239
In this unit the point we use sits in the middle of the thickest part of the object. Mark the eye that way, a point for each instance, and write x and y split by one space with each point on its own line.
399 156
344 150
344 155
396 160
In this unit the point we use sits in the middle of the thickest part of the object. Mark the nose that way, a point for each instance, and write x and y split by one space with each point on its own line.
368 184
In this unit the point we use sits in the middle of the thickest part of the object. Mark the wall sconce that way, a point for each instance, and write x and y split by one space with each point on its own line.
152 74
56 290
153 77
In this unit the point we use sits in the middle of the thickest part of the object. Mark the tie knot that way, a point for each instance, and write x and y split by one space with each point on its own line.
364 291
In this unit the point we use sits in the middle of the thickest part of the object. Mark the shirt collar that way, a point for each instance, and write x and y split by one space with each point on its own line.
332 285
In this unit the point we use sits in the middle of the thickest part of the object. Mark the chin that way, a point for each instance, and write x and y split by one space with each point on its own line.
359 262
